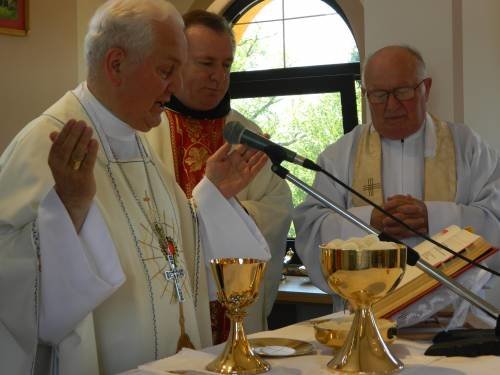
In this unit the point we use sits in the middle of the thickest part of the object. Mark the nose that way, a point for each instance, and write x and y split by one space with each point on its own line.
219 74
392 102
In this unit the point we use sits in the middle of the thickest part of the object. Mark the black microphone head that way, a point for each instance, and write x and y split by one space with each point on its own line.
232 132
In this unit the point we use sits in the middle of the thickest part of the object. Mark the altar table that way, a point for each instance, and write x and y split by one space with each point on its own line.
410 352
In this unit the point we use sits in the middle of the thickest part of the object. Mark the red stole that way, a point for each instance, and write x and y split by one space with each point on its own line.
193 141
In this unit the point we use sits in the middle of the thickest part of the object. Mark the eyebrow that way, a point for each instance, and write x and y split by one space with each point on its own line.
173 59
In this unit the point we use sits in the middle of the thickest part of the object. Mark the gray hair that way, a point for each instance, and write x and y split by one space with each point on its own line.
419 60
126 24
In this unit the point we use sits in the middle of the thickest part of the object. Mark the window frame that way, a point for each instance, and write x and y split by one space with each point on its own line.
315 79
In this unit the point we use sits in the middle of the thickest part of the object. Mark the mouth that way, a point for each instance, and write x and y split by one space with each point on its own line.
394 118
212 91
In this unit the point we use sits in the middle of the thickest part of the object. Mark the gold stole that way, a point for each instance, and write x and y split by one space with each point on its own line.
440 177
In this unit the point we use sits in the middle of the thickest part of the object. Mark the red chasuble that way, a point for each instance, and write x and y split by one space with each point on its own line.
193 141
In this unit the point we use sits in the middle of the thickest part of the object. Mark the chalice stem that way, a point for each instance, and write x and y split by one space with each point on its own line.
364 350
237 336
237 356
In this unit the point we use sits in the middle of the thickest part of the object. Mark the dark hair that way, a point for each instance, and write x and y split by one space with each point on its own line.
210 20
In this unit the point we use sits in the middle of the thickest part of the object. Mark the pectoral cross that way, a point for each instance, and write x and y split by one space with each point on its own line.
175 274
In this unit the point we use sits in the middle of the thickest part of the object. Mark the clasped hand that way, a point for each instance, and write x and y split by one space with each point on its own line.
72 158
232 170
406 208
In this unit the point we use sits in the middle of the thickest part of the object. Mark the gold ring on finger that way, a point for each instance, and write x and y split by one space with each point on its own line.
76 164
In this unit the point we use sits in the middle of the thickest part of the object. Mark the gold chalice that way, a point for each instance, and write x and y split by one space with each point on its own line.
238 283
363 277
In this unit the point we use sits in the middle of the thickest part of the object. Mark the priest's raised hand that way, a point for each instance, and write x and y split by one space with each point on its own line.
72 158
232 170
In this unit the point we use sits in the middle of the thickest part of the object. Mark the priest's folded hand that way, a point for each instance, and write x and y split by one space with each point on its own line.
232 170
408 209
72 158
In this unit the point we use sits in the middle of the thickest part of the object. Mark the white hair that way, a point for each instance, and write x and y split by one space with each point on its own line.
126 24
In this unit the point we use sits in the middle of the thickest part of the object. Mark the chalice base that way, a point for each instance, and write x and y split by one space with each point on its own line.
364 351
237 356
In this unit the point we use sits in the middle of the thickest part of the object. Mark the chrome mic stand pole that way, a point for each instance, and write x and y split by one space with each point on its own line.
413 257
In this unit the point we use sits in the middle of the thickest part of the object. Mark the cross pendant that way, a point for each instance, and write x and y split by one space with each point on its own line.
175 275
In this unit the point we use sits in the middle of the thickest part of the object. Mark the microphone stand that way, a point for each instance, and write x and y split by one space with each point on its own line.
470 342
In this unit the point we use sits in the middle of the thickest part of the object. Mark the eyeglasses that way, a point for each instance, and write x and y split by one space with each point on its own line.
400 93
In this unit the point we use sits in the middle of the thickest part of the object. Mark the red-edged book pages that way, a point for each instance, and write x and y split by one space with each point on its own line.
416 284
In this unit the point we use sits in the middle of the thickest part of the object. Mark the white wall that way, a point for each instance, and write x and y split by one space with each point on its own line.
426 25
35 70
84 11
38 69
481 45
460 41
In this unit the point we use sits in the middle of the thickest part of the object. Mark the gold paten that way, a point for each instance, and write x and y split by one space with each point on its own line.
333 332
299 347
237 281
363 277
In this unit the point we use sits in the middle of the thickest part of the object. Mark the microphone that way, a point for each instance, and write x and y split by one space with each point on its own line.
236 133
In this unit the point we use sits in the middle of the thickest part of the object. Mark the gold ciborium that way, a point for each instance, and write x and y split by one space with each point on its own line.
238 283
363 277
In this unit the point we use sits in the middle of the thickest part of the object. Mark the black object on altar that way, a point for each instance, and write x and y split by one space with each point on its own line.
466 343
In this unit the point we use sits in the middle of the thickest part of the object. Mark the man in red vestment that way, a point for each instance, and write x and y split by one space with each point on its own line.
196 116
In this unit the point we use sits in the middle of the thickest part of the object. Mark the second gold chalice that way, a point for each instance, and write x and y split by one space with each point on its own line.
363 277
238 282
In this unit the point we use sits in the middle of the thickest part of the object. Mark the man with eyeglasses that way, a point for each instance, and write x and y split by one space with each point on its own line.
428 173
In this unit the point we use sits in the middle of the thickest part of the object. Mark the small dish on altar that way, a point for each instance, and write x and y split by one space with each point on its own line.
280 347
333 332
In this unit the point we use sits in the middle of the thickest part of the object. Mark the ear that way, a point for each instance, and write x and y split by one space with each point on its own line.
427 84
114 64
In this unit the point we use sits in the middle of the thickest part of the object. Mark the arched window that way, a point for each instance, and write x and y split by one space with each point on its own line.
295 73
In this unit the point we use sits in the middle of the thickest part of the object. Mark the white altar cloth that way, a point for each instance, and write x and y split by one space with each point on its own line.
411 353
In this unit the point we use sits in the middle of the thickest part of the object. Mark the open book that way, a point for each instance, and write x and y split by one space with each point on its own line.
416 284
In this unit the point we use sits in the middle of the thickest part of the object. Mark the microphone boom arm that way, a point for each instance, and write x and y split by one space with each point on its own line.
412 255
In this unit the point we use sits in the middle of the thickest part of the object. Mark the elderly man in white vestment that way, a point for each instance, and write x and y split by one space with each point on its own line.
102 258
193 131
428 173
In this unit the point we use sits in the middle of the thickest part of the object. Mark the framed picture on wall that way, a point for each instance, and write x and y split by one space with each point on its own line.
14 17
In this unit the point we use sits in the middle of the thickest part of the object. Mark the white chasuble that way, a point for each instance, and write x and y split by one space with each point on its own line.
104 300
155 233
148 224
140 321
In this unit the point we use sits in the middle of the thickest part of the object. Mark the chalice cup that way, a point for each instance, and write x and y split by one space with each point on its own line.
237 281
363 277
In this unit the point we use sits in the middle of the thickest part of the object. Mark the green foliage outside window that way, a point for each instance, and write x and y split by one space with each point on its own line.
307 124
